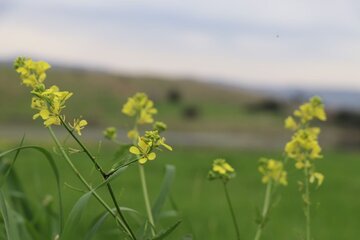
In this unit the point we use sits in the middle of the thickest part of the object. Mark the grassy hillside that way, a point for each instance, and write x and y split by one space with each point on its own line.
98 97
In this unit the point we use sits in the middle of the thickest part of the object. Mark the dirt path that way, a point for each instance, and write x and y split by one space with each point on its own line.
199 139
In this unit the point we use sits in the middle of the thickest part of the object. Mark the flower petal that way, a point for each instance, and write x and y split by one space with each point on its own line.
152 156
143 160
134 150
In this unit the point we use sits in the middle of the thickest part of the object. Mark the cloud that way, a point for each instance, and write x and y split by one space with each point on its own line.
263 42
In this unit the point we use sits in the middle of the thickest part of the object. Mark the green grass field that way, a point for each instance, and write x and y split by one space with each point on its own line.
201 203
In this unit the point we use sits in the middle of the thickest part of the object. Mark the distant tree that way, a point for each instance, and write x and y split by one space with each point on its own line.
174 96
191 112
347 119
266 105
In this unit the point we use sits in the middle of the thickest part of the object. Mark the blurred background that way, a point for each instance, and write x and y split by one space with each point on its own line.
223 75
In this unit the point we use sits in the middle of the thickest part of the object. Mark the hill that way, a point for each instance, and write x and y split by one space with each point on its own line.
185 104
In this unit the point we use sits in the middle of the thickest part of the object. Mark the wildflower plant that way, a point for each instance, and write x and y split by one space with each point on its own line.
305 150
273 174
223 171
144 146
49 102
272 171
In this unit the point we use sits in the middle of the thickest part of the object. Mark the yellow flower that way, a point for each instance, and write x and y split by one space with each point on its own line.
147 144
221 170
78 125
304 146
222 167
316 176
310 110
52 120
32 73
272 170
133 134
290 123
156 139
161 142
159 126
144 151
49 102
140 106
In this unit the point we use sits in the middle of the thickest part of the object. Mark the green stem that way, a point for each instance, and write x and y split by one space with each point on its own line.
307 204
87 152
78 174
265 210
144 188
232 211
112 171
146 198
104 175
83 180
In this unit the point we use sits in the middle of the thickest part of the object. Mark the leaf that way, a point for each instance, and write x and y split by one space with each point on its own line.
54 168
6 168
167 214
17 194
167 232
71 226
164 191
9 219
100 220
96 225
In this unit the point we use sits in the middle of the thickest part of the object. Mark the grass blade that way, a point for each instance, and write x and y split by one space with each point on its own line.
167 232
96 226
164 191
6 168
9 219
101 219
71 226
54 168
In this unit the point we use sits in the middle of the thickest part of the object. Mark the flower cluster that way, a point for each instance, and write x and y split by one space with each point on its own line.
159 126
221 170
78 125
32 73
142 109
272 170
147 144
140 106
304 146
49 102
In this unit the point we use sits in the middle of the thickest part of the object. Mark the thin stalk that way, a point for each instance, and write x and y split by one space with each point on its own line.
146 198
307 204
265 210
78 174
87 152
112 171
232 212
83 180
145 189
104 175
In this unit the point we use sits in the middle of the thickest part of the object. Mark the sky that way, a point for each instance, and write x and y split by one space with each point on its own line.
275 43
